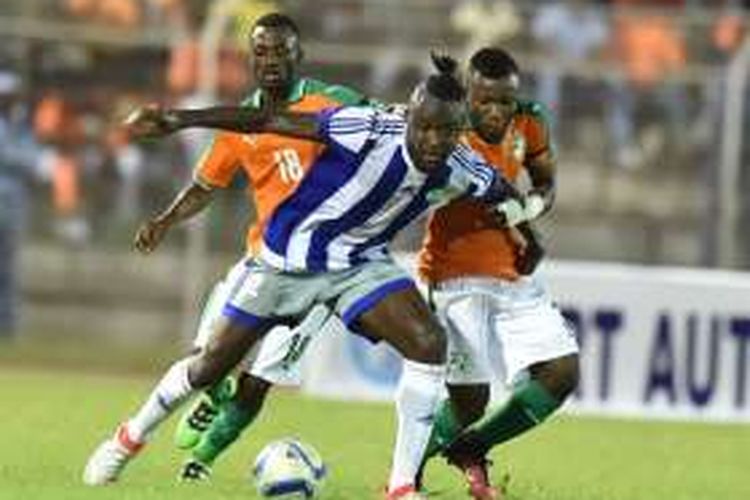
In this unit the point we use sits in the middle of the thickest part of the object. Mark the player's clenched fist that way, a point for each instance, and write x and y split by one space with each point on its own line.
149 235
151 122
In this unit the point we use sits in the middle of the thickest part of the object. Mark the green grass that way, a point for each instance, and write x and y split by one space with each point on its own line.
50 422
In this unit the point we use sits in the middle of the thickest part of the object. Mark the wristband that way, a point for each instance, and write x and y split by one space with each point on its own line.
533 206
513 211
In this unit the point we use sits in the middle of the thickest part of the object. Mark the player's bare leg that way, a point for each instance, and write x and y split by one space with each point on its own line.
232 419
198 418
276 362
405 321
466 405
223 352
549 385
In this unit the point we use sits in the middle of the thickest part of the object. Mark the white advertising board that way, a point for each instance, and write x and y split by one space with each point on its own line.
655 342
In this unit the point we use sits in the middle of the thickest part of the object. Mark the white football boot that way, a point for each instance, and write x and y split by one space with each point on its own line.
107 462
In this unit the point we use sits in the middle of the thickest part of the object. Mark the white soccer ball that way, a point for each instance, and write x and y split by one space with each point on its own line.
288 468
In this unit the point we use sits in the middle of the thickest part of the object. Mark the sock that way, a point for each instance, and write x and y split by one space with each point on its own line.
172 390
223 391
225 429
529 406
445 429
417 398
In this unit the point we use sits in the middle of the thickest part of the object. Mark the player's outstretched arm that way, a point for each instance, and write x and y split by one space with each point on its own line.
191 200
152 122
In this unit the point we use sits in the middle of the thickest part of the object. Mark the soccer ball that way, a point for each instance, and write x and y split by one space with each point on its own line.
288 468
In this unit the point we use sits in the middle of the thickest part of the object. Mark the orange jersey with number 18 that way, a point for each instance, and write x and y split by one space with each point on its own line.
274 164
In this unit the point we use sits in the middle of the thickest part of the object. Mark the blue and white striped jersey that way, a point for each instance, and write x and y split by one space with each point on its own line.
362 190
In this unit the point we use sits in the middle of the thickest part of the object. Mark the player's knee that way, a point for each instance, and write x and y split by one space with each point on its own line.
224 350
197 374
208 368
469 401
470 414
252 391
251 384
201 374
570 375
560 376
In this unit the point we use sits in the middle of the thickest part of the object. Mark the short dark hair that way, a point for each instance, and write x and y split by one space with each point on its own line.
276 20
493 62
445 85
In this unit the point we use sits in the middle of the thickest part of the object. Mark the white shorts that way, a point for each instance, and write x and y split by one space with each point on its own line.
499 328
279 357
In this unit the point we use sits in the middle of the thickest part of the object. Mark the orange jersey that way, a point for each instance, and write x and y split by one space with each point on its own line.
274 164
462 238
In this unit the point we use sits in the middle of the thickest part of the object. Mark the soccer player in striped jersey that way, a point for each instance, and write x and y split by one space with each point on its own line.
497 319
327 243
274 166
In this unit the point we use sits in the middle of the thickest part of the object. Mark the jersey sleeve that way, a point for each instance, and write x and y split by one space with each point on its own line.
218 164
471 175
348 128
537 132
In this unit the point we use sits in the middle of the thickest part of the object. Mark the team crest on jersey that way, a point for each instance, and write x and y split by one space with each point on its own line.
459 362
519 147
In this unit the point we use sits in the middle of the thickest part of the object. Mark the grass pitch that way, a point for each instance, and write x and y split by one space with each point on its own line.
51 420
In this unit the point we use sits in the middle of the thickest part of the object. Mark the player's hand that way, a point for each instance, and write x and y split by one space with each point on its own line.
149 235
150 122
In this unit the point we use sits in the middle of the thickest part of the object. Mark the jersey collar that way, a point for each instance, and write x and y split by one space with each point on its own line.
296 94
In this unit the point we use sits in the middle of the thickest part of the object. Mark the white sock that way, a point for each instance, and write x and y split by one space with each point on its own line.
417 398
171 391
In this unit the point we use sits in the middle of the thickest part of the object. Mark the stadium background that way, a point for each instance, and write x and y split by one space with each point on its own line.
648 240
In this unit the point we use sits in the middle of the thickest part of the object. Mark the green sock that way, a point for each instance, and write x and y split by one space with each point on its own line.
444 430
223 391
225 429
529 406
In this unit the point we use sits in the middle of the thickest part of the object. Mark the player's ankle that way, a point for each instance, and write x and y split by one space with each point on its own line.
127 441
400 491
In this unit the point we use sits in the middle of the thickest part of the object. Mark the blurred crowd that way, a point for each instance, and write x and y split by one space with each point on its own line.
59 100
95 179
633 54
66 168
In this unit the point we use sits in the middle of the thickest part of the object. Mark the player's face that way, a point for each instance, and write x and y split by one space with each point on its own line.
492 103
275 57
432 133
